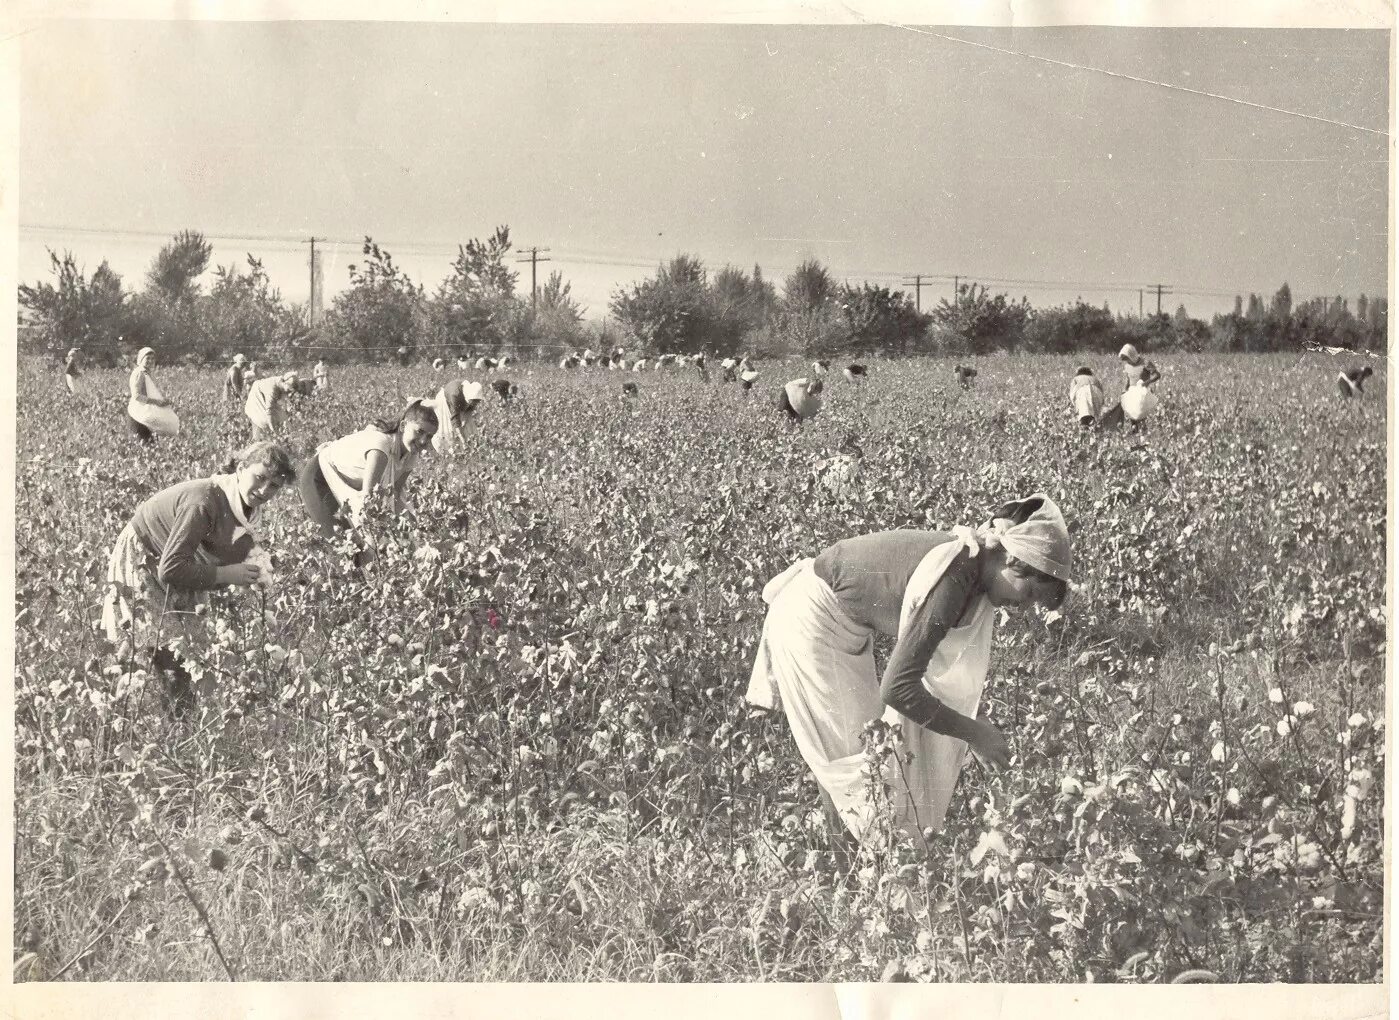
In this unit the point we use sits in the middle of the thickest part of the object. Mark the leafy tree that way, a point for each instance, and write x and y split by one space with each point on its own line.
557 319
244 311
807 288
671 312
1072 328
877 318
172 276
74 311
977 323
381 310
1282 303
476 303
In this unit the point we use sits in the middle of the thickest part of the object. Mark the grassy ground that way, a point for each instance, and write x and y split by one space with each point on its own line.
516 749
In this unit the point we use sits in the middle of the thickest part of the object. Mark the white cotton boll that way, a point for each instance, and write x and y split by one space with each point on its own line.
1275 696
1356 721
1302 709
1217 752
1284 727
262 559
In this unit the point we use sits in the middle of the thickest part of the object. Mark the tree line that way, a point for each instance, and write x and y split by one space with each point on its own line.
681 308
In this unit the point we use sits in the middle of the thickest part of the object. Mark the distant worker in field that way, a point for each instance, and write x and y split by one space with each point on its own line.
1352 383
964 376
1086 396
182 543
456 405
1139 404
347 478
730 367
438 364
71 370
322 376
747 377
404 358
1135 367
820 367
800 399
505 390
233 379
148 412
266 406
856 373
936 593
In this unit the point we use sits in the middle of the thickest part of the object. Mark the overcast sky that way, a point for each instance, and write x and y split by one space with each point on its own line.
881 151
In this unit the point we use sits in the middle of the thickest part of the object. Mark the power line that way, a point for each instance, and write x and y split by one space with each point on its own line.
585 256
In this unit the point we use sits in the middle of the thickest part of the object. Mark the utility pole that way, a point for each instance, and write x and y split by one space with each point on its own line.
917 285
313 302
1160 289
1140 297
533 260
956 288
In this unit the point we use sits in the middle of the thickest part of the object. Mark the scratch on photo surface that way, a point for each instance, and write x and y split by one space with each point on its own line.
1118 74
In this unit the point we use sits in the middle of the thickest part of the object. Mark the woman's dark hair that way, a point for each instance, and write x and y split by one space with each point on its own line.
416 411
280 464
1085 371
1018 511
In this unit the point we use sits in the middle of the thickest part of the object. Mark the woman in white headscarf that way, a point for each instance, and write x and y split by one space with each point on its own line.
71 370
1136 369
456 405
148 412
936 594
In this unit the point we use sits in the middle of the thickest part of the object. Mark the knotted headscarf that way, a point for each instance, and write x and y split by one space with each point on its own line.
1030 529
1129 354
143 355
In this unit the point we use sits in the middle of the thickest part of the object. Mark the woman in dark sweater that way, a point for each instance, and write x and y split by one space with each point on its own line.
182 543
936 594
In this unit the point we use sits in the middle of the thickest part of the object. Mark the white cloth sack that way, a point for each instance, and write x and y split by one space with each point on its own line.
160 420
818 665
1139 403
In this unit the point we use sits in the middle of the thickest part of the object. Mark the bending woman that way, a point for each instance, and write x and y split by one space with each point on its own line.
455 405
182 543
71 371
347 476
148 412
266 406
936 593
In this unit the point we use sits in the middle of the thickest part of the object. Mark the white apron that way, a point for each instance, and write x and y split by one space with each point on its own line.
818 664
160 420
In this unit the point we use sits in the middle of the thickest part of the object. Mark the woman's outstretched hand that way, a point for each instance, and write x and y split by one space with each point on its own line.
990 746
240 573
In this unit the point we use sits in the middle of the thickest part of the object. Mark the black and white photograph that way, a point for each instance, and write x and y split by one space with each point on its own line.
807 496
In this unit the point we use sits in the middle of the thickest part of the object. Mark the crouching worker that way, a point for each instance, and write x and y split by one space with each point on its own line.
347 477
456 405
937 594
181 544
1086 396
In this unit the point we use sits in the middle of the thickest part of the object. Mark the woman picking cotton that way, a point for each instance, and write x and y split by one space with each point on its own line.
182 543
1086 396
456 405
71 371
148 412
266 406
934 592
1136 369
350 475
800 399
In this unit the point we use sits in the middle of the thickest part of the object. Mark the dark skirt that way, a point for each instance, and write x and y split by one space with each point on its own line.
140 431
